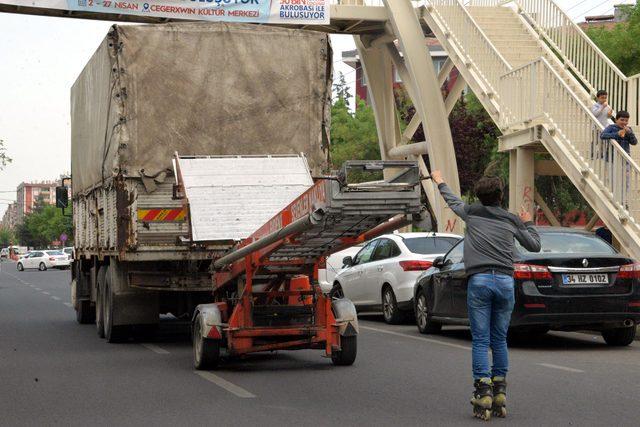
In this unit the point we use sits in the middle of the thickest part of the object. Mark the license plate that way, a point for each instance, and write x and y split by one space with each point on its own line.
585 279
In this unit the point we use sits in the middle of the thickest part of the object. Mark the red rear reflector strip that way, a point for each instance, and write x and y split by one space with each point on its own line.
415 265
634 304
535 306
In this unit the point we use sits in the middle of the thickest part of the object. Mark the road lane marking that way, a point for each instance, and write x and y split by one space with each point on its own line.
68 304
38 289
46 293
431 340
55 298
155 348
563 368
230 387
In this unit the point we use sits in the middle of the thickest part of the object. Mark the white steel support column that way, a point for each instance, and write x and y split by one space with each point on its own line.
378 69
513 167
428 102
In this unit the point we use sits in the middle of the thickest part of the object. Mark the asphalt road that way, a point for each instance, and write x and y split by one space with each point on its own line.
56 372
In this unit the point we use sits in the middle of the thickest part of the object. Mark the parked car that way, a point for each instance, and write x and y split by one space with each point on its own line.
43 260
382 274
4 253
577 282
327 275
69 252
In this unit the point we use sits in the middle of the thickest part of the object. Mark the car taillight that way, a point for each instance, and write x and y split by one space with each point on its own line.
629 271
531 272
415 265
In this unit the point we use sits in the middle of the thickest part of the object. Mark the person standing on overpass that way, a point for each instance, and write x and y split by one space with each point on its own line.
488 259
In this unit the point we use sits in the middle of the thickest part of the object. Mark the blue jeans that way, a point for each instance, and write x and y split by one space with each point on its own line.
490 301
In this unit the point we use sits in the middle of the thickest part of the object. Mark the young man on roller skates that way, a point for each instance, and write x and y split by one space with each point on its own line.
488 258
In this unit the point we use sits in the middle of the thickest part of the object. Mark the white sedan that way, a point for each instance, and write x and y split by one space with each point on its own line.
383 272
43 260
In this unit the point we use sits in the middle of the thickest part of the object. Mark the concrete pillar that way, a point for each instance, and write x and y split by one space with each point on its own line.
525 173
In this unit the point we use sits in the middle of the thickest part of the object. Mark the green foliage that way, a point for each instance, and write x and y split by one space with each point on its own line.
7 237
621 43
44 225
342 90
4 159
353 136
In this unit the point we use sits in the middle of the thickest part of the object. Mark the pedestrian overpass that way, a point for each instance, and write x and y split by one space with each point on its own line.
534 71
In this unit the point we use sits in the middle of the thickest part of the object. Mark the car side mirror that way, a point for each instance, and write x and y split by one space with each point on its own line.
62 197
347 261
438 262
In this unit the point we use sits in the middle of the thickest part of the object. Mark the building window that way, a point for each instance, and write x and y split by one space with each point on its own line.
396 76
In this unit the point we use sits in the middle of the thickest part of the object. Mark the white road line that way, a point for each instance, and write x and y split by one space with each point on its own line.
230 387
68 304
55 298
413 337
155 348
563 368
38 289
46 293
31 286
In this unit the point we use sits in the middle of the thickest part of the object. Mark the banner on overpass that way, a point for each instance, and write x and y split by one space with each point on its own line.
303 12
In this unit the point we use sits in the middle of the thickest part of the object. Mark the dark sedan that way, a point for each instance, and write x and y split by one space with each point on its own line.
577 282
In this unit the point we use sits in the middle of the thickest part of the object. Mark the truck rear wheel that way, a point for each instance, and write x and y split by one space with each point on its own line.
102 272
85 314
112 333
206 352
347 354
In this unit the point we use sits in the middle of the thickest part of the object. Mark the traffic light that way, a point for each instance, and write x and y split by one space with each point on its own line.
62 197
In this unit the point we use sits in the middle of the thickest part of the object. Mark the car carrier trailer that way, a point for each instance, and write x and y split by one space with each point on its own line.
265 288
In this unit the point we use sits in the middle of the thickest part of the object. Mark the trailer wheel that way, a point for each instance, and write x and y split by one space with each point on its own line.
112 333
102 272
347 354
206 352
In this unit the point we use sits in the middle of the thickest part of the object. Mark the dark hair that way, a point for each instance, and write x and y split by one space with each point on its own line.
489 190
601 92
622 113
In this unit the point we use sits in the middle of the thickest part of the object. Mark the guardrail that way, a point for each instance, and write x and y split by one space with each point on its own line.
535 91
472 41
578 52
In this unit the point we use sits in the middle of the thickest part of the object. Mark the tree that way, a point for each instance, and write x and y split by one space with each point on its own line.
7 237
342 90
4 159
621 43
44 225
353 136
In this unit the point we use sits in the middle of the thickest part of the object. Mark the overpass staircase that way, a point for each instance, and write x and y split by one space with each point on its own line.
536 73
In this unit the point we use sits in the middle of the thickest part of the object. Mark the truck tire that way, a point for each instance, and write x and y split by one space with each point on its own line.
85 314
102 273
619 337
113 333
348 352
206 352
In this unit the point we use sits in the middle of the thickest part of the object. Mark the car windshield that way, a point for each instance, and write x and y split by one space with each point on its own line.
68 250
54 253
430 245
571 243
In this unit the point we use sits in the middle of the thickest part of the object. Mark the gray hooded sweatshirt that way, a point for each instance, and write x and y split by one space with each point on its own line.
489 237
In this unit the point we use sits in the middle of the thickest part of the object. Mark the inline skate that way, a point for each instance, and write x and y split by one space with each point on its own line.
482 399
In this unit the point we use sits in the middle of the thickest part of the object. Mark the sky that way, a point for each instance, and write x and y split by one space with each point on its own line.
40 58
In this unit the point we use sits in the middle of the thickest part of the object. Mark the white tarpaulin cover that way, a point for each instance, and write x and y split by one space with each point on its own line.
231 197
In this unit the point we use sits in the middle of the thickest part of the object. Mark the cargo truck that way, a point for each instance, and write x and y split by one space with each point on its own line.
152 91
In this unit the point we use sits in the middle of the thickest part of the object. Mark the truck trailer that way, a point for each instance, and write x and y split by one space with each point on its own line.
147 93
